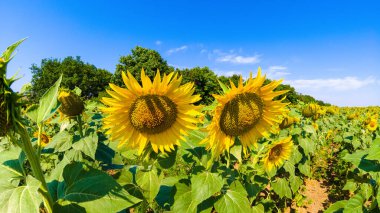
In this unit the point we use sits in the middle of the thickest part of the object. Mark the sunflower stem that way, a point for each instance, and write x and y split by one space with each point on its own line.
39 140
79 120
36 166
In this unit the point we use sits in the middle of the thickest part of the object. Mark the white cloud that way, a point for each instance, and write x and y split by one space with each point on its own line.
339 84
274 72
178 49
237 59
158 42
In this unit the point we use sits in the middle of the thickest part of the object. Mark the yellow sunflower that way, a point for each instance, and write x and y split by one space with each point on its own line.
44 140
278 153
159 112
372 125
246 111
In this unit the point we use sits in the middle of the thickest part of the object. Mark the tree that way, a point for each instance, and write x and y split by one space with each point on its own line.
205 83
87 77
226 80
140 58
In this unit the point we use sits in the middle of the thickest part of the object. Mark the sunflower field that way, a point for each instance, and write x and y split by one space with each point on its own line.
148 147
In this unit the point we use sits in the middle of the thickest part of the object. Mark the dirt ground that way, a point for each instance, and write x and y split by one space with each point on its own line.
316 195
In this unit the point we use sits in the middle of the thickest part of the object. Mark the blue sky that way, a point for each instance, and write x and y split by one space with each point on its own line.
328 49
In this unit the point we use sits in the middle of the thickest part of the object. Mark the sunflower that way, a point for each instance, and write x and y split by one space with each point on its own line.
278 153
246 111
159 112
71 104
372 125
44 138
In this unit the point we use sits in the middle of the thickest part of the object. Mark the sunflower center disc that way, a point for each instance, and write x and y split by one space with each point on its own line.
153 114
275 152
241 114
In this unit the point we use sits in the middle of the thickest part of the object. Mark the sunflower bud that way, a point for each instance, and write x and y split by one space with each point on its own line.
288 121
310 110
72 105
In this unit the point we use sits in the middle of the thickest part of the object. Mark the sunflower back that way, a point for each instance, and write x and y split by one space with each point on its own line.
72 105
3 108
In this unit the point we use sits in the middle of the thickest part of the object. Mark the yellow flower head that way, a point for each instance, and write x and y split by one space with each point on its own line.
278 153
44 139
246 111
315 125
372 125
159 112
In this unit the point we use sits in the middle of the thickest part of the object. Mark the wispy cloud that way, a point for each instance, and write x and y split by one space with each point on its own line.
178 49
158 42
274 72
338 84
238 59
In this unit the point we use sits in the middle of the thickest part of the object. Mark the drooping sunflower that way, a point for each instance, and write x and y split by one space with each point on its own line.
278 153
247 111
159 112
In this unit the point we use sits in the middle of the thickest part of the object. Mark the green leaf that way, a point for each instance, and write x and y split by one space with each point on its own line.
236 152
309 129
11 170
295 183
7 54
258 208
48 102
167 160
204 185
281 187
296 156
149 183
366 190
232 201
374 153
351 186
223 86
307 145
337 207
87 145
93 190
60 142
305 168
21 199
183 201
289 167
355 204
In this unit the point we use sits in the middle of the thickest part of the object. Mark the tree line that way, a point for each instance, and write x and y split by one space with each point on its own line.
94 81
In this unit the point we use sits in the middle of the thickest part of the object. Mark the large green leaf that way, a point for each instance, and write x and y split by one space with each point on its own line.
355 204
149 183
337 207
60 142
21 199
93 190
232 202
11 170
204 185
8 53
295 183
87 145
307 145
281 187
48 102
183 201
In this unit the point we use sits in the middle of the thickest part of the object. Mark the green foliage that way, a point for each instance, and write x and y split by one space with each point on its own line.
141 58
205 83
76 73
